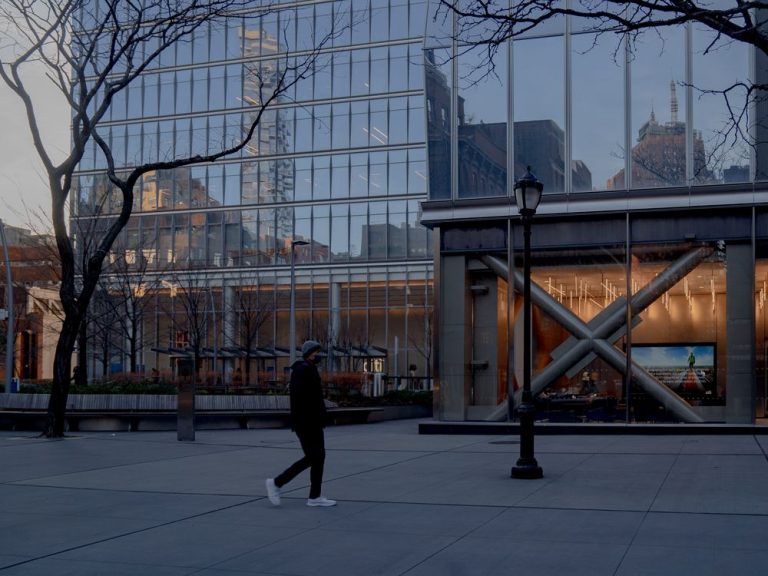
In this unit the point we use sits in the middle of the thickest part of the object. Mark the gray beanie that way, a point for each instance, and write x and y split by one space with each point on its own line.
308 347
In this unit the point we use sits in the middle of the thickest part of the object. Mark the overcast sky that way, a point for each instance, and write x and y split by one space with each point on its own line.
22 178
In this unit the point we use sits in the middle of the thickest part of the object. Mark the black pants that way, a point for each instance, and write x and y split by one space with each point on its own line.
313 444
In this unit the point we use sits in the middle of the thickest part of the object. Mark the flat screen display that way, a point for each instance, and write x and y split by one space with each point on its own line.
685 368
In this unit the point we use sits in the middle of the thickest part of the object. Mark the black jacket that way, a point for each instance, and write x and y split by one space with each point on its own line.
307 404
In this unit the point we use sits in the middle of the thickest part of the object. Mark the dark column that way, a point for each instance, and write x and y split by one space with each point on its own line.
740 334
455 338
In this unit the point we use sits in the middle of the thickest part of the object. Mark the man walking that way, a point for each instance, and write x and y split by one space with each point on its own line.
307 421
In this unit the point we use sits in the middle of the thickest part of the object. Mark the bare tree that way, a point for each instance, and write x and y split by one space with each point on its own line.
491 23
92 52
132 288
423 345
250 314
193 308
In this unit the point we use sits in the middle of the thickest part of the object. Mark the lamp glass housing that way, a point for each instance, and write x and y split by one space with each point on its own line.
528 195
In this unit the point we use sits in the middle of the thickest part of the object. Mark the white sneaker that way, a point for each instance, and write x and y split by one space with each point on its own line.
321 501
273 492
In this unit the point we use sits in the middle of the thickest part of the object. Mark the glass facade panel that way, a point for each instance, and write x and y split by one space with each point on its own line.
340 176
321 236
358 226
439 80
482 118
398 68
658 115
597 108
397 230
539 114
377 174
267 236
680 338
398 172
358 175
340 126
359 124
377 236
203 96
339 232
360 73
721 153
379 70
321 128
303 179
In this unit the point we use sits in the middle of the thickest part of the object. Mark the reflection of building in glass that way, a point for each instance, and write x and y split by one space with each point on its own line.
483 154
36 305
659 158
482 147
540 144
735 173
438 101
668 267
337 160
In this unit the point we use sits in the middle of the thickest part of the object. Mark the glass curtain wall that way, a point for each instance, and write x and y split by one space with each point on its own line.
585 286
678 344
679 333
665 108
338 161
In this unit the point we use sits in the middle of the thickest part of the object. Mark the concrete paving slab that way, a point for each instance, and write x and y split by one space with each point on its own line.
47 534
604 482
327 551
481 557
674 560
417 519
144 503
61 567
557 525
710 531
8 560
188 543
33 459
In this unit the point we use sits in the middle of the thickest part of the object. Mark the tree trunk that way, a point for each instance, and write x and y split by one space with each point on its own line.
62 368
81 374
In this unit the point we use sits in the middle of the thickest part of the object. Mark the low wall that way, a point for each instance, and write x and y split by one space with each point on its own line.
147 402
155 412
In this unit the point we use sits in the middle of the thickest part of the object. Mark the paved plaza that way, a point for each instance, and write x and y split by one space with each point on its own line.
143 503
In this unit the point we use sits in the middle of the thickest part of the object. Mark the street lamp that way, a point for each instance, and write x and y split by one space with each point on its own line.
292 319
528 194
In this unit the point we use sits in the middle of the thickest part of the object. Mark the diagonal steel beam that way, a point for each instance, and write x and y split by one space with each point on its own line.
611 322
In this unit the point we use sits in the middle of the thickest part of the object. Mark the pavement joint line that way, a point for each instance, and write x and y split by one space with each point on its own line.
116 466
648 511
761 447
125 491
130 533
456 541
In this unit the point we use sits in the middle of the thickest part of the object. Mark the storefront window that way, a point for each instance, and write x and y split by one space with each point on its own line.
678 336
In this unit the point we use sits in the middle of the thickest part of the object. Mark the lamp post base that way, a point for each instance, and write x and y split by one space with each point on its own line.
529 470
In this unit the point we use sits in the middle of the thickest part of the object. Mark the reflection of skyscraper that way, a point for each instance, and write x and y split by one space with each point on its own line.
272 181
540 144
438 126
483 147
659 159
